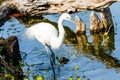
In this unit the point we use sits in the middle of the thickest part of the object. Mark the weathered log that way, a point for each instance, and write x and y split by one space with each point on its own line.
36 7
10 58
39 7
80 26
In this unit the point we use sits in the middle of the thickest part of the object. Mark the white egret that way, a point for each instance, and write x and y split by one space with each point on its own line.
47 34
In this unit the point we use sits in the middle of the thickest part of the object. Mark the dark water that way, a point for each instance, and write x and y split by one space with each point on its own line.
95 57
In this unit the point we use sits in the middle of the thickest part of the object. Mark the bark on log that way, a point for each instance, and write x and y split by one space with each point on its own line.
39 7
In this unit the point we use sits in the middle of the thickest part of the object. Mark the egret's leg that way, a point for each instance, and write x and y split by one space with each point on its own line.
52 56
52 60
52 65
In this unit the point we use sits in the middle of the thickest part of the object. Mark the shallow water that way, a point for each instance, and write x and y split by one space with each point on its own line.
98 59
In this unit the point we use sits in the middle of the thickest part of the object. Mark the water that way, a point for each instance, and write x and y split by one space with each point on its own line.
98 60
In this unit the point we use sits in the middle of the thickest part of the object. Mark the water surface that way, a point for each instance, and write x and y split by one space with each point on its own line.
95 57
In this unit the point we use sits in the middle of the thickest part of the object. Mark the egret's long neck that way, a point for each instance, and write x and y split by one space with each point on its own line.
60 27
61 31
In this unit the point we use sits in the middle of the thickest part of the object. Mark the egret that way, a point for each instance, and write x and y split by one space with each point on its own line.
48 35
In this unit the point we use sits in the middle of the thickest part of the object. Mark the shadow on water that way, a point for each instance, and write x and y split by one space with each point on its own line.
102 46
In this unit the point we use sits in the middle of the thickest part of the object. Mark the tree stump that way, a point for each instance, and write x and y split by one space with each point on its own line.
106 18
80 26
95 23
9 59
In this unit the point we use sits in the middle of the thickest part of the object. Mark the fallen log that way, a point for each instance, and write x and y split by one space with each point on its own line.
39 7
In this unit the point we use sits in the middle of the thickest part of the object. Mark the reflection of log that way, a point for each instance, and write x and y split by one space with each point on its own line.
100 47
70 36
97 42
82 43
109 40
103 53
109 60
10 58
80 26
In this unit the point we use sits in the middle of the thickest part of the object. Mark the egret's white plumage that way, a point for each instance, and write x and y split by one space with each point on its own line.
42 33
47 34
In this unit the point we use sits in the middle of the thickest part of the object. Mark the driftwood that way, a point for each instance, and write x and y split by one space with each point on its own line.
39 7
